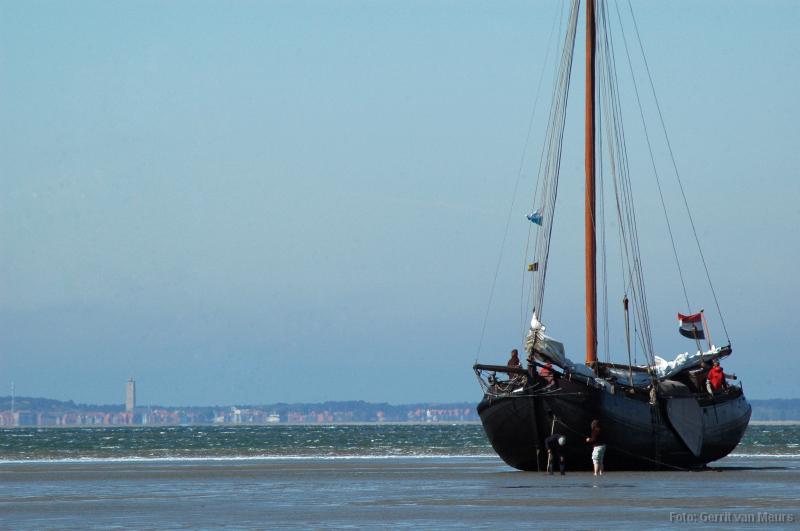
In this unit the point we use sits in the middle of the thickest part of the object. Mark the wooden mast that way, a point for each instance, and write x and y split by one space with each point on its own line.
589 228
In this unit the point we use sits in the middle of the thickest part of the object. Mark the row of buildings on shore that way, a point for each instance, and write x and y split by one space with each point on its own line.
22 411
162 416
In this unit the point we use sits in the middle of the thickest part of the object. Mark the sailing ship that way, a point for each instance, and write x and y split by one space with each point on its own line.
654 415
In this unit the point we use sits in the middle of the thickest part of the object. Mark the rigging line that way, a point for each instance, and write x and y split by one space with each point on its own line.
625 252
632 283
625 199
522 296
557 154
603 271
653 164
638 293
552 153
609 103
677 174
616 134
617 143
607 100
557 71
638 332
628 202
603 240
558 16
536 102
622 226
544 161
511 207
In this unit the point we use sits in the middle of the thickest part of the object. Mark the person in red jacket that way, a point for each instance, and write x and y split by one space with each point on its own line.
546 372
716 378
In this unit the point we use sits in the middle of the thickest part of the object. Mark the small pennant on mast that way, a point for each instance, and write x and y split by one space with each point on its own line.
535 217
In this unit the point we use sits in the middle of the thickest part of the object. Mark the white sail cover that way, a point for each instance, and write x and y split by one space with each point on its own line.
665 369
542 346
546 348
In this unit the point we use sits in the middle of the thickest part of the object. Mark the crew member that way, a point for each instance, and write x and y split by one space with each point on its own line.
716 378
553 445
598 447
546 372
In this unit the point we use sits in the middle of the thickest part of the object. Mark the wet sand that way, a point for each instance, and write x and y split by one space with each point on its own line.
432 493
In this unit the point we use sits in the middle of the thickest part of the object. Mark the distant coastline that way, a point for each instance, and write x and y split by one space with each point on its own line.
43 412
28 411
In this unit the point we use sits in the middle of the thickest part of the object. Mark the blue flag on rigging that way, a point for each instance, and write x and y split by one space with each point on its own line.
536 217
691 326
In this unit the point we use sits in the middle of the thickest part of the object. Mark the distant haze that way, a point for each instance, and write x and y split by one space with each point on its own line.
252 202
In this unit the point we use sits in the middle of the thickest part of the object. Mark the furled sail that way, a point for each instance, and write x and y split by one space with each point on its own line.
544 347
665 369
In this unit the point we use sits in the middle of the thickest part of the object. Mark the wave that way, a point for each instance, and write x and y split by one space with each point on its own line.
173 459
244 458
783 456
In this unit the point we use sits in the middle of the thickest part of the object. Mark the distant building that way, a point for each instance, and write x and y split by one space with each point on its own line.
130 396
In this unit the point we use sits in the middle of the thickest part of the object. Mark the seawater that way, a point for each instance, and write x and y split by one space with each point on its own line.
367 477
302 441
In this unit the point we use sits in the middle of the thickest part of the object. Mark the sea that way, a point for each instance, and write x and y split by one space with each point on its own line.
370 476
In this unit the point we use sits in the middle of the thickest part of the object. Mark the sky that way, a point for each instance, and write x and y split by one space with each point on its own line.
253 202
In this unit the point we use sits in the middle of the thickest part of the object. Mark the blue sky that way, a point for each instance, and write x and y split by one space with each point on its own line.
246 202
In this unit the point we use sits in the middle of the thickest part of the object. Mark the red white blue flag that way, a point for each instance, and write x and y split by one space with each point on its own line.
691 326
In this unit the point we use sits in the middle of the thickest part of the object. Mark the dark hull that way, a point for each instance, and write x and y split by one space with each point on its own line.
638 435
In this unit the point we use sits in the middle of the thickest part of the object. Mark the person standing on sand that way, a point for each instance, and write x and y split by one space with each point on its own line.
598 447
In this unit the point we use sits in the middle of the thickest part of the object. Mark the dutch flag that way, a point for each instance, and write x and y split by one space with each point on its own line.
691 326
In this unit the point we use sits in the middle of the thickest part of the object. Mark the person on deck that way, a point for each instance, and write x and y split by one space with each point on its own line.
546 372
531 365
553 445
513 363
716 378
598 447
